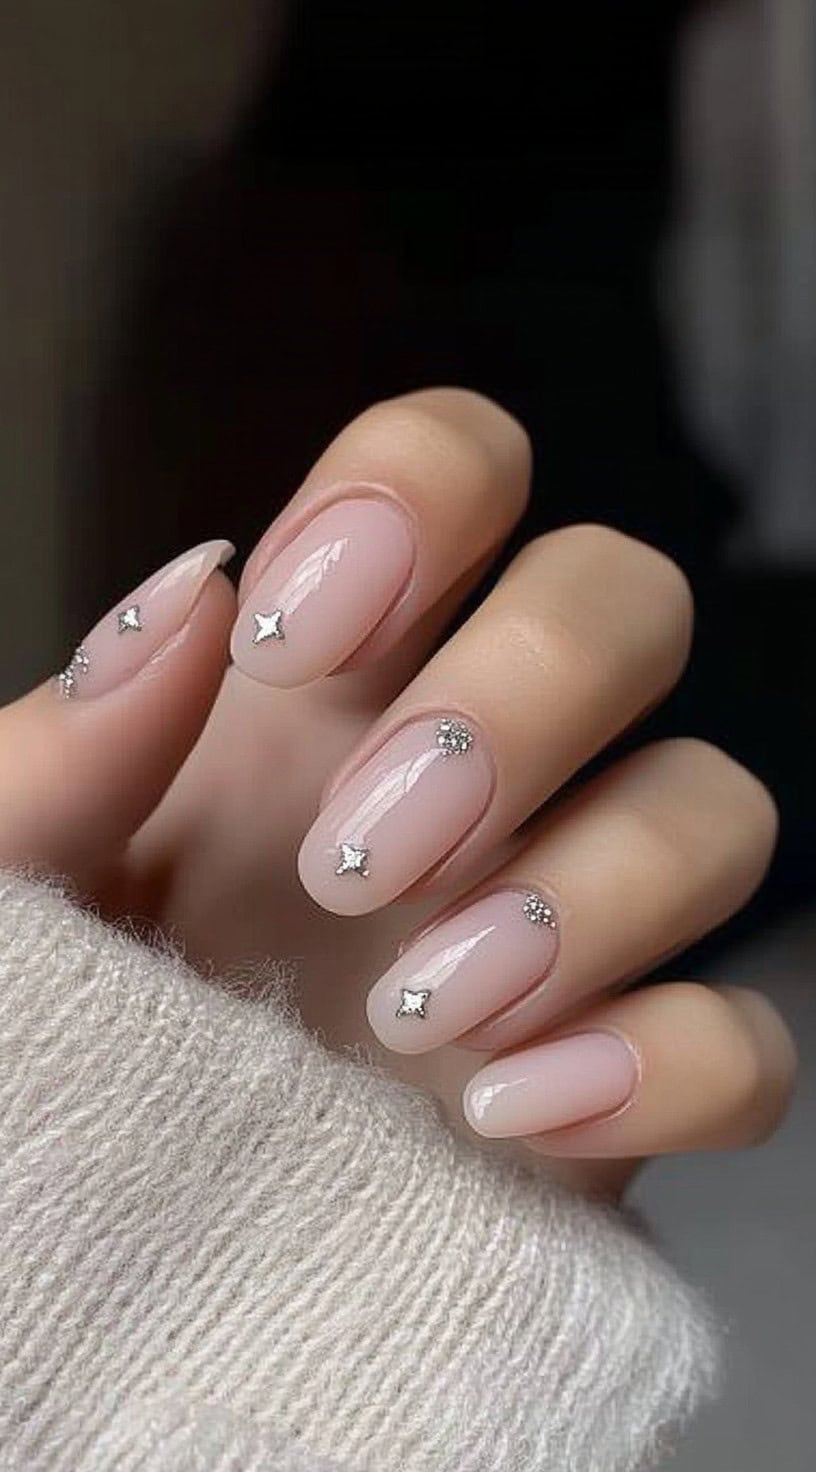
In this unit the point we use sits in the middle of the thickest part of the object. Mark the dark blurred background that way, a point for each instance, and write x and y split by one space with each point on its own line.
227 227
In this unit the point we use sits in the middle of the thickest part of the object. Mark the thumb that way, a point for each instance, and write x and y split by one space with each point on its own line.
85 758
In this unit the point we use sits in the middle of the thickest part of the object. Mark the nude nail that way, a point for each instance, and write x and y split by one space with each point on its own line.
570 1081
324 593
406 808
463 969
134 631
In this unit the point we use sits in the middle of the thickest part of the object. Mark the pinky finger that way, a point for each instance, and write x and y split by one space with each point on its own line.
674 1067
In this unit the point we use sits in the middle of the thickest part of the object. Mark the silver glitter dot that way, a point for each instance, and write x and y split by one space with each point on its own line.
269 626
413 1004
353 860
454 737
130 620
538 912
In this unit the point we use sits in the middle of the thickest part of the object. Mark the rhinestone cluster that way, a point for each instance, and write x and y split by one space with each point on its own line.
78 664
538 912
454 737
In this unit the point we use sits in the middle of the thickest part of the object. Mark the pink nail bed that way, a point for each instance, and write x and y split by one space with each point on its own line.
405 809
571 1081
464 969
123 642
324 592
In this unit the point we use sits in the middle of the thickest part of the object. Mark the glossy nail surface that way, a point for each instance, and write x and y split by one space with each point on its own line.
406 808
567 1082
128 637
324 592
470 965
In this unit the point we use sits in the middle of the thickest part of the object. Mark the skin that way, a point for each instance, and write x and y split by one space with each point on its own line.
183 795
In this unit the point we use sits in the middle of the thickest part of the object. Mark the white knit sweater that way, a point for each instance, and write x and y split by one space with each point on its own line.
224 1249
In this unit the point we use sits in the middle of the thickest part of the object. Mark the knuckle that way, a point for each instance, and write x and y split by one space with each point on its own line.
735 785
460 428
721 800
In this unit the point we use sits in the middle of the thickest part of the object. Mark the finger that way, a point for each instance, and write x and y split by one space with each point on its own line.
676 1067
85 758
644 860
585 631
409 498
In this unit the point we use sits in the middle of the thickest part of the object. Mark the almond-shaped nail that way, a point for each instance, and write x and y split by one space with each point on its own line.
464 969
570 1081
325 592
128 637
406 808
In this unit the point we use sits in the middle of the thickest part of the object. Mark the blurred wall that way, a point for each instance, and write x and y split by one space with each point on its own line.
100 103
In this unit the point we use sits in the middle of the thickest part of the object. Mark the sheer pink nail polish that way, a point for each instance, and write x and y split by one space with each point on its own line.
570 1081
128 637
406 808
325 592
468 966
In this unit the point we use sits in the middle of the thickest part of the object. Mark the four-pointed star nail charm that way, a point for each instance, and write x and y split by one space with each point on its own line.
353 860
413 1004
269 626
130 620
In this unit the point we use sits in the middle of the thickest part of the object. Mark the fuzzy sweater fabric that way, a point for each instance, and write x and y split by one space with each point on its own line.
225 1249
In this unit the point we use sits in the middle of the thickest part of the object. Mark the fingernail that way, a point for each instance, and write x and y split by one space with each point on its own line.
324 593
571 1081
123 642
404 810
463 970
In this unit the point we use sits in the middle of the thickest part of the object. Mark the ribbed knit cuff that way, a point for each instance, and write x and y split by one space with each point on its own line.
198 1201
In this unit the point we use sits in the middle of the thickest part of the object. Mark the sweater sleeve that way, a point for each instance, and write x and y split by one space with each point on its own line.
217 1236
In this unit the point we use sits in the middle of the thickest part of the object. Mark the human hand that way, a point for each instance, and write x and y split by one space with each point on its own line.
175 792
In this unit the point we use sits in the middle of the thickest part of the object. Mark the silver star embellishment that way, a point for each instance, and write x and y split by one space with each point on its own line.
413 1004
353 860
269 626
130 620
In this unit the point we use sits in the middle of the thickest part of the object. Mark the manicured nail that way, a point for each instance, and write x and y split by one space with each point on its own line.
129 636
571 1081
324 593
406 808
464 969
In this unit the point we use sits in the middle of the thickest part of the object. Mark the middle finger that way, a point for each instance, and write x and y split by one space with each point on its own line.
586 630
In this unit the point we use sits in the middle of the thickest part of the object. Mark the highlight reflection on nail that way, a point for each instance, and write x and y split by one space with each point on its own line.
552 1086
324 592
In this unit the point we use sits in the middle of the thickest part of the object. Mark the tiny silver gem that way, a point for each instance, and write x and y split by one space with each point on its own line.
130 620
538 912
413 1004
269 626
454 737
353 860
